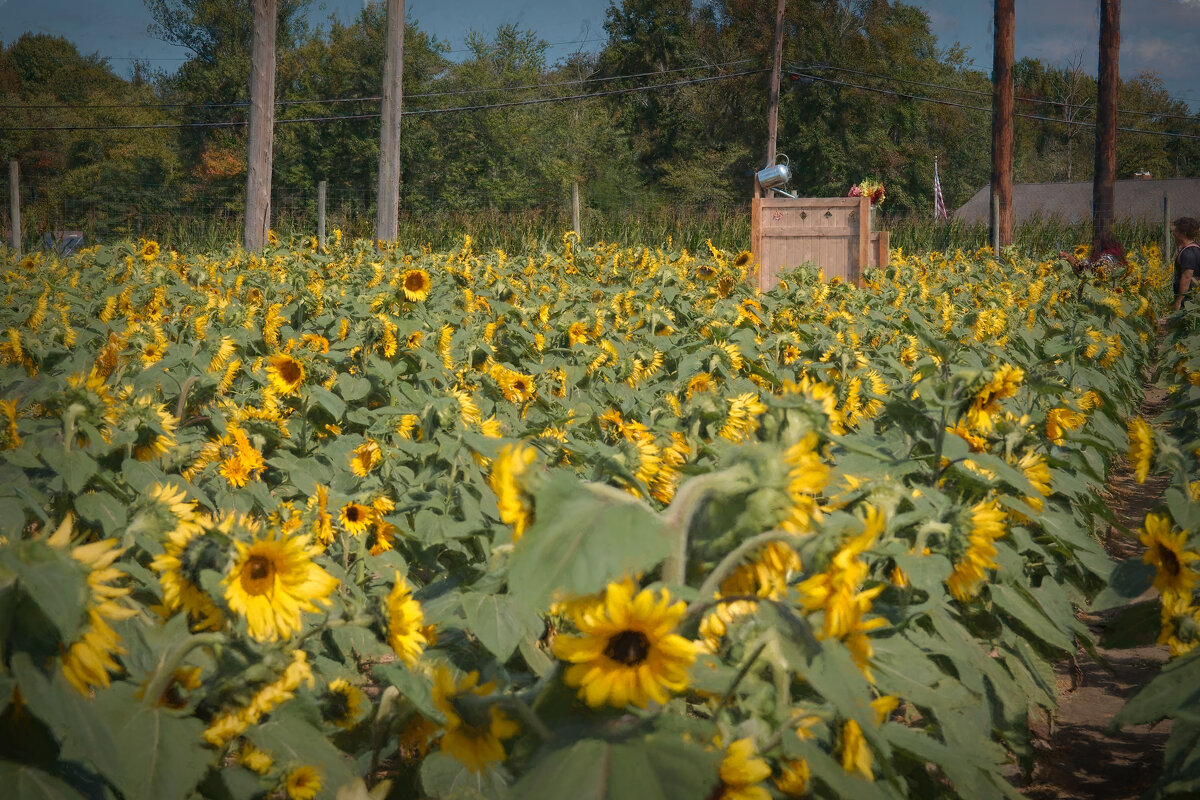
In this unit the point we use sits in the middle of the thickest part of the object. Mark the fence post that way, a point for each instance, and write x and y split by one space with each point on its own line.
14 203
1168 240
321 213
996 227
575 209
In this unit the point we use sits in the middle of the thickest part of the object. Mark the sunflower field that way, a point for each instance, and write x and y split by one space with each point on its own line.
598 522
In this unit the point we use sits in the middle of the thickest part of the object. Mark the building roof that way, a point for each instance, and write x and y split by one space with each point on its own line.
1135 199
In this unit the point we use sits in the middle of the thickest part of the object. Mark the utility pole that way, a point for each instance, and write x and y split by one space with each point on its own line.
387 224
262 123
14 203
1002 123
1103 206
773 97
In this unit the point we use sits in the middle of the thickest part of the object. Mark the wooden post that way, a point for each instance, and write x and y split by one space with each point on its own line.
995 228
1108 79
773 96
1002 123
14 203
262 123
321 189
756 250
864 239
1168 239
387 224
575 224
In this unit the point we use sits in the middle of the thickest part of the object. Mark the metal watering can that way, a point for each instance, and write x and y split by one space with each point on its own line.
775 176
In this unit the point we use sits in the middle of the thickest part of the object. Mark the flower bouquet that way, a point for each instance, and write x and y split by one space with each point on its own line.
870 189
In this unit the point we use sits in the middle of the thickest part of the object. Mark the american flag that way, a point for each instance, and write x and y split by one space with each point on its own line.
939 204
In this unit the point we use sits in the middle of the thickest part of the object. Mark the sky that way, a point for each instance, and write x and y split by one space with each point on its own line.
1159 36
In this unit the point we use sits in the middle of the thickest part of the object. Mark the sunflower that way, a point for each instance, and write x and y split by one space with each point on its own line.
577 333
794 779
473 735
627 652
742 772
1141 447
9 438
323 525
807 476
416 284
1167 551
970 570
273 580
1180 624
356 517
256 760
517 387
245 463
364 458
705 272
742 421
88 660
856 756
406 633
514 505
285 373
343 704
190 549
302 783
1034 467
1061 420
149 251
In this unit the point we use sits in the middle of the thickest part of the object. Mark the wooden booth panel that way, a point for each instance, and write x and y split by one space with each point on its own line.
835 233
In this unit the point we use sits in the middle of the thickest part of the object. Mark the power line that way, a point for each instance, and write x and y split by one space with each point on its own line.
411 112
376 98
1039 117
977 92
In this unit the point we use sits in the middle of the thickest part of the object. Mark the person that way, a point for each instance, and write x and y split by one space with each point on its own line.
1187 258
1107 253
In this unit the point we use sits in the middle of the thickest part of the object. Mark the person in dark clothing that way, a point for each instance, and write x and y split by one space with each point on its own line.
1106 252
1187 258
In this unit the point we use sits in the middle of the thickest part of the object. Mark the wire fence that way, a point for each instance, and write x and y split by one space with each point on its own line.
188 223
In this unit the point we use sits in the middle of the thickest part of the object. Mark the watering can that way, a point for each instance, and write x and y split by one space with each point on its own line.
776 175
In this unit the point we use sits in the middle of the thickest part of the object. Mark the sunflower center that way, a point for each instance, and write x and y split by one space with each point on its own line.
353 514
414 282
257 574
291 371
628 648
1170 561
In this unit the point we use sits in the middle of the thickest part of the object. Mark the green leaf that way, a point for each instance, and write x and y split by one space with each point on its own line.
444 777
498 624
1131 578
1134 626
327 400
104 509
26 783
76 468
12 517
291 739
1026 611
1176 688
76 724
654 768
159 755
51 580
581 540
352 388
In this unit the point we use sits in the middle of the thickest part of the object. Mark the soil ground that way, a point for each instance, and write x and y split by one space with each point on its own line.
1078 755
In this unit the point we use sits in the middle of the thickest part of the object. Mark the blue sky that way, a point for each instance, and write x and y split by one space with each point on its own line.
1161 36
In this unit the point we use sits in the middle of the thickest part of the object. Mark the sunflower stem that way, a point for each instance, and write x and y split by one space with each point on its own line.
526 713
171 661
687 504
181 406
729 563
742 673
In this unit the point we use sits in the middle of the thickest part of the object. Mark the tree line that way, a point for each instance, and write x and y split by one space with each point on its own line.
859 82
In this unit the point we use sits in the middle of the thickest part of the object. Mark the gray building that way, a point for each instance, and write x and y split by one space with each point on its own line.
1135 199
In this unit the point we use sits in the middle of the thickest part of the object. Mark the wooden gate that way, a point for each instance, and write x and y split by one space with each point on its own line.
832 232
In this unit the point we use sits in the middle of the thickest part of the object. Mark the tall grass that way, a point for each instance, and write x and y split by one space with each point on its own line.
535 228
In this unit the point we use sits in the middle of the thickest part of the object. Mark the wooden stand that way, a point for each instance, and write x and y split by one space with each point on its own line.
832 232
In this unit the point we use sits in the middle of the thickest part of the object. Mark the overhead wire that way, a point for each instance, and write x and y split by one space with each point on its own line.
405 112
373 98
981 93
1039 117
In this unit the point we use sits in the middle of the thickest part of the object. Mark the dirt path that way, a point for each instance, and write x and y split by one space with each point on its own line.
1078 756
